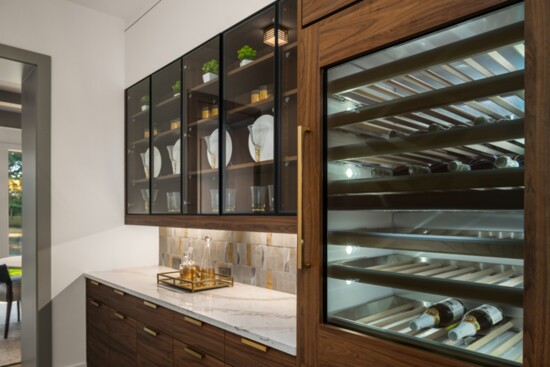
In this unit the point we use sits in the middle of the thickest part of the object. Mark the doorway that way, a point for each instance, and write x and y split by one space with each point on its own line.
36 326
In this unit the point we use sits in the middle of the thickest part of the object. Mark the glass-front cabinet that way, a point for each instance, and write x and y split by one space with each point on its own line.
424 191
219 137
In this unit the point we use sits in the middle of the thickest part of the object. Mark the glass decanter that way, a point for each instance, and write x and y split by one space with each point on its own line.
207 264
189 270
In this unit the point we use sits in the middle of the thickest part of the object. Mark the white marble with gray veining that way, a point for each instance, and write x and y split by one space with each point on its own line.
262 315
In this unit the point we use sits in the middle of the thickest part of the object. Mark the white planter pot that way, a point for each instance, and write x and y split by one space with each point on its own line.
208 77
245 61
144 107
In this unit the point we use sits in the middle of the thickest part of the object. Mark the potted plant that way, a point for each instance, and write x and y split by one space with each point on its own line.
176 88
144 102
246 55
210 69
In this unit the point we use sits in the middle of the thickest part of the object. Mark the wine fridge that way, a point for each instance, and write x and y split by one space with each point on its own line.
424 191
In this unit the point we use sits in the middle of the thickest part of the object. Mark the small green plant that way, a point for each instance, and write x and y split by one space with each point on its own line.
211 66
145 101
246 53
176 87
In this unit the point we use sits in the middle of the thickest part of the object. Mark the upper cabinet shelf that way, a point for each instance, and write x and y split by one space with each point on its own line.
218 135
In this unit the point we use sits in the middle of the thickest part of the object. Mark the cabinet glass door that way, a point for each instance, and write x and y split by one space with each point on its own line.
248 148
201 118
166 139
424 191
137 143
288 52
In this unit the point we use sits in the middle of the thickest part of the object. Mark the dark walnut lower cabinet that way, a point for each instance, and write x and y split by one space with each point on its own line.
123 330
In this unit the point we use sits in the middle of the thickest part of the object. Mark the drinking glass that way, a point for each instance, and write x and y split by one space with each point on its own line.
145 196
211 149
271 197
170 149
144 160
214 200
258 198
257 135
173 201
229 200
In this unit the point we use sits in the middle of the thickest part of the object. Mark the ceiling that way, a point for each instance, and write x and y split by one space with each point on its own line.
129 10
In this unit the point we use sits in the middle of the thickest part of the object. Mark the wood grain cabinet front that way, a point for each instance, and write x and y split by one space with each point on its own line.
123 302
199 335
98 291
188 356
122 330
244 352
154 348
314 10
158 317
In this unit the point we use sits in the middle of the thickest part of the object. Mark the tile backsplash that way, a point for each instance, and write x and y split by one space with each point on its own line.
261 259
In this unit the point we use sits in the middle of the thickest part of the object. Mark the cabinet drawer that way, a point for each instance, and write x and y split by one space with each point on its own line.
123 302
243 352
122 330
153 347
157 317
187 356
203 337
97 315
117 359
97 291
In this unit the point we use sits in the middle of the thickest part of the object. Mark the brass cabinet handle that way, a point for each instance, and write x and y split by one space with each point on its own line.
193 352
119 316
120 293
300 217
94 282
150 332
192 321
94 303
150 305
254 345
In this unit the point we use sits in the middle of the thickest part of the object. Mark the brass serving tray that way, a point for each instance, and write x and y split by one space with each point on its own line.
173 279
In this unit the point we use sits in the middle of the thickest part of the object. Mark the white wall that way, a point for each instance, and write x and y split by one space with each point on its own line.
10 139
174 27
88 232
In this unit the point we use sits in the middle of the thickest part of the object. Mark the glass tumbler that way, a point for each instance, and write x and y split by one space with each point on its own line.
229 200
258 198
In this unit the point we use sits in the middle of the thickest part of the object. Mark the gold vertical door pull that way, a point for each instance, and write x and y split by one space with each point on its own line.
300 215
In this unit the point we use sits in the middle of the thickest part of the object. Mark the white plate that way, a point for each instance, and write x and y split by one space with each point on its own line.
214 143
266 153
156 160
176 155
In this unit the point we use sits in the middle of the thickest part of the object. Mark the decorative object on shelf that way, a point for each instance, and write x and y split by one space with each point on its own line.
212 148
214 200
173 200
205 113
157 162
173 279
147 133
175 124
176 88
145 197
170 149
258 198
230 200
214 111
271 197
176 152
260 141
144 103
269 35
246 55
207 264
264 94
255 96
211 70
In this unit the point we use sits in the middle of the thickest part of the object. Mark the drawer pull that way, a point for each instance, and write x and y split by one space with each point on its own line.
94 303
194 353
119 316
150 305
150 332
254 345
120 293
192 321
94 282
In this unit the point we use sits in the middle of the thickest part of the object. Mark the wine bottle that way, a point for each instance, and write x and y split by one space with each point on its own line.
479 319
481 163
481 120
458 166
439 167
440 314
416 169
504 161
435 128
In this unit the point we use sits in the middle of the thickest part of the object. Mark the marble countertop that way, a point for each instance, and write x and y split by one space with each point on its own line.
262 315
